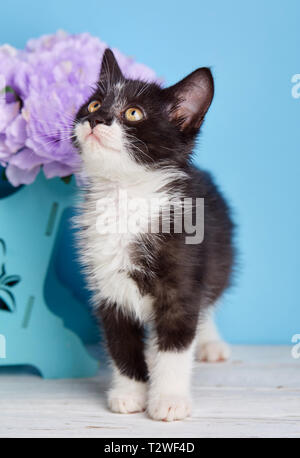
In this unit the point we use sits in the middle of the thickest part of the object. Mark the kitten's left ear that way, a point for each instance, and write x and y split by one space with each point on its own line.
110 70
189 100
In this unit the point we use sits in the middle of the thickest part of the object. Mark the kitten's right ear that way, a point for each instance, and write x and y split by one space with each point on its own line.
110 70
189 100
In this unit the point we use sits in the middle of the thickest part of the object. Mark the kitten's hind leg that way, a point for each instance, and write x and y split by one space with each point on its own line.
210 347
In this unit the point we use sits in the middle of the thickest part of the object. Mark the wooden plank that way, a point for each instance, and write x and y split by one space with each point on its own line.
256 394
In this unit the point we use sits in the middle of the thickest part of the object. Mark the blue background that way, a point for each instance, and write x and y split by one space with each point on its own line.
250 140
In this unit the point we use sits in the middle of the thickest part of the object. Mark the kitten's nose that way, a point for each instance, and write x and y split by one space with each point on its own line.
99 120
95 122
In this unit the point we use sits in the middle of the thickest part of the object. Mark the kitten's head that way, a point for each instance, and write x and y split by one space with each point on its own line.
128 123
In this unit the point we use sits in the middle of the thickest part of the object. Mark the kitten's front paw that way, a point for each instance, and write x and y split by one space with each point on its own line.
120 402
213 351
169 408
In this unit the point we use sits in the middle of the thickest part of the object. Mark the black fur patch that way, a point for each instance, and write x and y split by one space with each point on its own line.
125 341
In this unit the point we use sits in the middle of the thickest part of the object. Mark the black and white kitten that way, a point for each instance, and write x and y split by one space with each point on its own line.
153 290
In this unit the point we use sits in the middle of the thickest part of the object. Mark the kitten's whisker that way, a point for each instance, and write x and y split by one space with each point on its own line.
138 140
59 131
143 153
143 89
58 140
56 135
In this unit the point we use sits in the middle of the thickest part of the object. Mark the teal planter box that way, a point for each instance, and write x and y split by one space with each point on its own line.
34 331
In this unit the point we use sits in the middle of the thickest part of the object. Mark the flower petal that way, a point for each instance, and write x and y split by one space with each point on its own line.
17 176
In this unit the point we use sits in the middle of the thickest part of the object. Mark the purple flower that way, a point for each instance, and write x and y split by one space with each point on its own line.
52 77
9 58
18 176
16 134
8 113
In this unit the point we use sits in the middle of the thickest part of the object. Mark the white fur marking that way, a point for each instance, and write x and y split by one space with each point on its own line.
170 373
126 395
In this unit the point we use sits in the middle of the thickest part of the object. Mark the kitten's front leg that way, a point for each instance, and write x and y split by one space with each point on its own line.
126 395
126 346
170 360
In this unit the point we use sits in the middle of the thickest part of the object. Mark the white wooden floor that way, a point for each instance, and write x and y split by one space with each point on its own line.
256 394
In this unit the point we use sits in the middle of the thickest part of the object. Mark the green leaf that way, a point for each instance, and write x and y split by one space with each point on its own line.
9 89
67 179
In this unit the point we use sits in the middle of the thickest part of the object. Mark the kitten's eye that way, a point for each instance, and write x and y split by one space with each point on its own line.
94 106
133 114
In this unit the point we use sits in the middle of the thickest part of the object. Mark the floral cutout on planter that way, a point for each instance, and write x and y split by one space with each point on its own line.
7 282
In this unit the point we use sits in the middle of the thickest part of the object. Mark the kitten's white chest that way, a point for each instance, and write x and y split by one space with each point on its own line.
109 246
111 231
